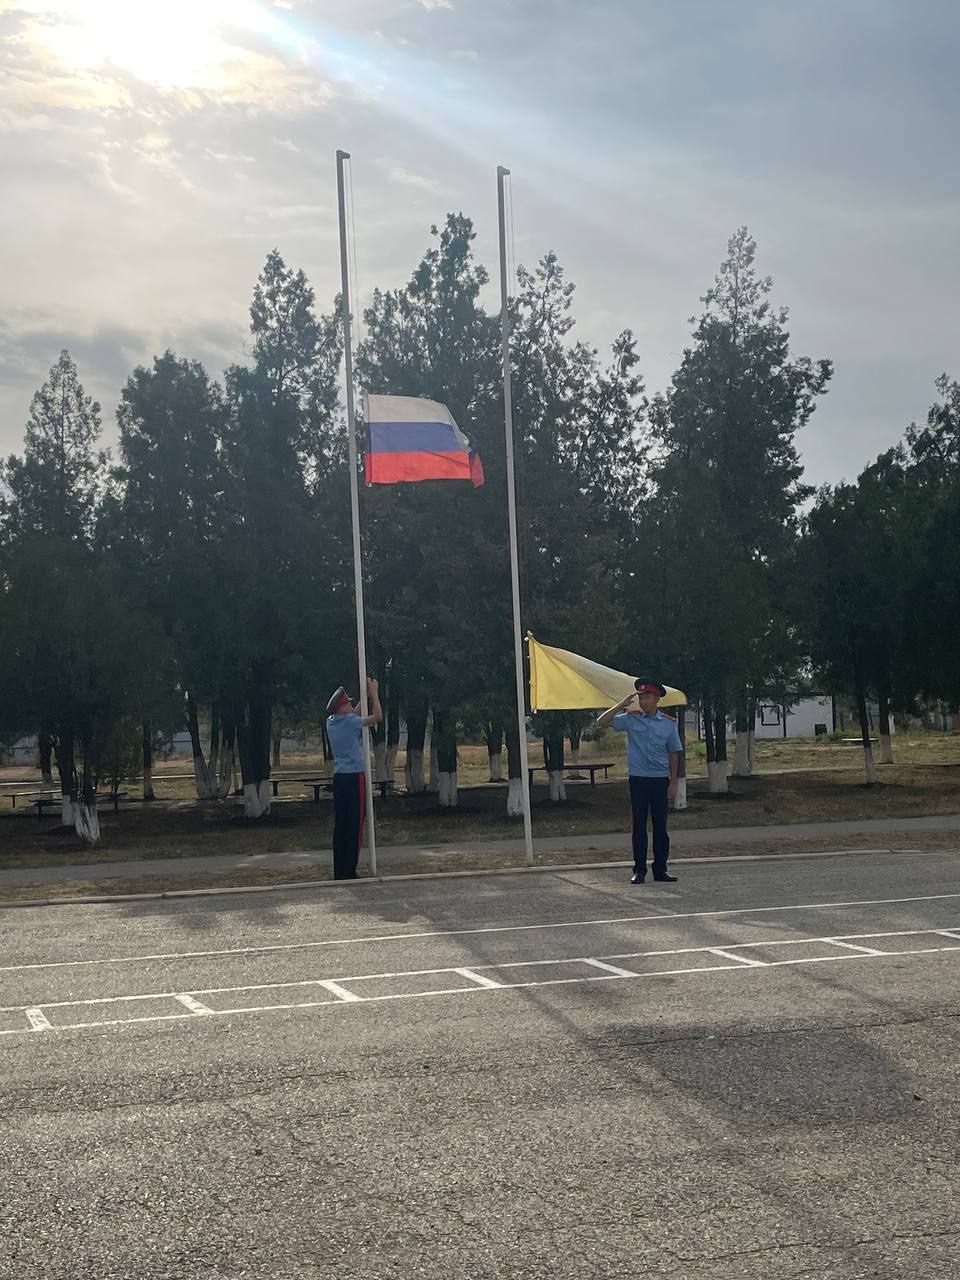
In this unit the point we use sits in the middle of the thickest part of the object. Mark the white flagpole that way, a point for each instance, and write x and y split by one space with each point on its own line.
355 505
512 509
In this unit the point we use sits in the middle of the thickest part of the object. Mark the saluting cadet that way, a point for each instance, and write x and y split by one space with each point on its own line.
345 727
653 760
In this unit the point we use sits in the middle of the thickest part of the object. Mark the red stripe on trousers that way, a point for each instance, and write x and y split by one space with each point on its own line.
362 794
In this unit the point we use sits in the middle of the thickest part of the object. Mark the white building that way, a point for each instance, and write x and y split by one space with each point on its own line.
806 718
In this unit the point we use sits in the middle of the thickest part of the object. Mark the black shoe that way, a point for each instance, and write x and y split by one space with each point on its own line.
638 877
665 877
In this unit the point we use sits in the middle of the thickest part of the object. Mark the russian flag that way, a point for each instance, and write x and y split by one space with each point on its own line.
409 439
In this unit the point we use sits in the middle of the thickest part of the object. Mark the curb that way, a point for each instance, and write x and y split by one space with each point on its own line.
547 868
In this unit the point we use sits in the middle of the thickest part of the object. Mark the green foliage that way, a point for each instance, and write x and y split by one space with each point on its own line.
720 527
214 559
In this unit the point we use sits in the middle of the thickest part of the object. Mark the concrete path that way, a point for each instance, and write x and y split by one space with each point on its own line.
687 839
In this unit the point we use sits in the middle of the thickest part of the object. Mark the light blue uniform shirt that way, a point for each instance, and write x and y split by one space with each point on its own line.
344 734
650 739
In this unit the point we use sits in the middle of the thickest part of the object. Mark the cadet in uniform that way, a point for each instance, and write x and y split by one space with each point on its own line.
345 733
653 759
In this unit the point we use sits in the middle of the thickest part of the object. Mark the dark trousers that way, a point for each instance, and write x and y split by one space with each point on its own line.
349 801
650 795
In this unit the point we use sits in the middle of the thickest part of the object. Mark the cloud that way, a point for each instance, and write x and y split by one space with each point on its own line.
406 178
138 213
51 63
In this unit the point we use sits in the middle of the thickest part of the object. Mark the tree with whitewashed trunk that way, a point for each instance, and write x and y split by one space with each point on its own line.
551 726
391 712
680 797
743 728
434 550
728 485
929 561
444 742
48 511
45 751
580 466
493 738
416 717
845 605
515 779
172 484
72 647
285 520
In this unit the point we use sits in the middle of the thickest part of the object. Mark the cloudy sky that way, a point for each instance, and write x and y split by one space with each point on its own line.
153 151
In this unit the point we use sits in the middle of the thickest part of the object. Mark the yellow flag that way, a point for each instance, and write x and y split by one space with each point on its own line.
564 681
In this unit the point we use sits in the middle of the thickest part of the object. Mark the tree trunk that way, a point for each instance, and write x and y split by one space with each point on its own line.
445 740
86 819
494 740
517 781
716 732
869 767
393 735
45 745
254 739
325 744
148 761
416 736
576 736
752 735
67 769
226 764
379 762
277 739
201 772
680 799
886 746
742 764
213 760
553 742
433 784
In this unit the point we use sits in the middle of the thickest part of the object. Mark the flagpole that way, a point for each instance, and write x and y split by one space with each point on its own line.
355 505
512 509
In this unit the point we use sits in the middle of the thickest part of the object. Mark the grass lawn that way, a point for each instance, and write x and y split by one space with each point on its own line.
179 827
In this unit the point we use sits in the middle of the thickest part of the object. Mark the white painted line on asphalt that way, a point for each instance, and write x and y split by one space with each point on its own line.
611 968
335 989
478 981
729 955
330 984
507 986
853 946
477 977
777 942
658 918
188 1002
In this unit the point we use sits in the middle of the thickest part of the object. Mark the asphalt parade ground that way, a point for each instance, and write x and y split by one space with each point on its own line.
751 1073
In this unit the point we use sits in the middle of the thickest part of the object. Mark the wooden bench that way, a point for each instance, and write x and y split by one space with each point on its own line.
311 781
387 787
592 768
45 799
25 795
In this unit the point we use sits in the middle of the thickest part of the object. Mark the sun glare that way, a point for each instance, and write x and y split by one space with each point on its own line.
168 43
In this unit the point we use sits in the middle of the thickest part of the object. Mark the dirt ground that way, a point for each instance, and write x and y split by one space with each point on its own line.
171 828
